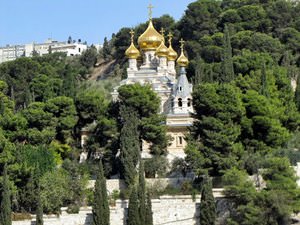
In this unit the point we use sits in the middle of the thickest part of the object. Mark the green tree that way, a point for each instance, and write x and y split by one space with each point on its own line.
219 111
207 205
129 144
5 206
89 57
39 210
142 194
149 214
100 206
227 64
133 208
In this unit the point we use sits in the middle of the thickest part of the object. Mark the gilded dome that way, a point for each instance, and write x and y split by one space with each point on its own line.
162 50
132 52
172 56
182 60
150 39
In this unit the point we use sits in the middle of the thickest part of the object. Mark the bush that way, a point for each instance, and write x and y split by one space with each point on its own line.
20 216
73 209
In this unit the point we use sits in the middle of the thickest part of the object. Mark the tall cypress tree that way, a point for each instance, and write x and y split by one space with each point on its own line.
207 204
228 71
142 194
5 206
133 209
129 144
297 93
39 209
100 206
149 214
264 90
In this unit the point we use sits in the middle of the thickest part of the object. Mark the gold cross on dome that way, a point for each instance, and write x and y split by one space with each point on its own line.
150 7
132 34
170 36
181 43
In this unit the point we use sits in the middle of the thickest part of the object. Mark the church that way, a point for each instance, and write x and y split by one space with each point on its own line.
158 69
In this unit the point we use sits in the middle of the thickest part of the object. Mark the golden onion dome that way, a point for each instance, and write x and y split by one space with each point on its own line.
150 39
132 52
162 50
182 60
172 56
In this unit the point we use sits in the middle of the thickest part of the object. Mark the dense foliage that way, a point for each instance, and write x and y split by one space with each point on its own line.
243 56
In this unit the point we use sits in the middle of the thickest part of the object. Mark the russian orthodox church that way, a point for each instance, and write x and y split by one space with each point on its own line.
158 69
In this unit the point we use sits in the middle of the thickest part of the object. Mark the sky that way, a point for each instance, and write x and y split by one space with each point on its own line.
27 21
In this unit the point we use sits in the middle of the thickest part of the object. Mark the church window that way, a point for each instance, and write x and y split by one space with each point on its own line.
180 88
180 102
189 103
180 140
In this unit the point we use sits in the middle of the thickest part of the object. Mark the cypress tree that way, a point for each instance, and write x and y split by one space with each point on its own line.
133 209
129 144
207 204
297 93
142 194
264 82
148 214
39 210
5 206
228 71
100 206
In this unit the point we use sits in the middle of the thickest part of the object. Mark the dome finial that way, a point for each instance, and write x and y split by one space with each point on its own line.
150 7
181 44
172 56
182 60
162 31
170 36
132 35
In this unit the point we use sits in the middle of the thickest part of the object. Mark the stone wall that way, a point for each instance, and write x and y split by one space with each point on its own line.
175 210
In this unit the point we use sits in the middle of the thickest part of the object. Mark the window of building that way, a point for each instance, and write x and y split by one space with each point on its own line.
180 140
79 49
189 103
180 88
180 102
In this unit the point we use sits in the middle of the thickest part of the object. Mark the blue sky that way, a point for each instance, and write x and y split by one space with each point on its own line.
25 21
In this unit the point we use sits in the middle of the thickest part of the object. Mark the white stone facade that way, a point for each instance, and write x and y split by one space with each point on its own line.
12 52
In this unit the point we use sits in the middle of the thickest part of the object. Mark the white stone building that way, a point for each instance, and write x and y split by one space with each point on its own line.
12 52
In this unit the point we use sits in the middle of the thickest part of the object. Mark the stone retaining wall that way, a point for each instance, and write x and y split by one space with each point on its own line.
175 210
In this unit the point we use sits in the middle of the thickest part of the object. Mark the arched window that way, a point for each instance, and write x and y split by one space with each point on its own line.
180 88
189 103
180 102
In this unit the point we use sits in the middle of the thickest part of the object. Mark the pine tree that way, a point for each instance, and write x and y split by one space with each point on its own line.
142 194
5 206
100 207
133 209
129 144
207 205
228 71
39 210
148 214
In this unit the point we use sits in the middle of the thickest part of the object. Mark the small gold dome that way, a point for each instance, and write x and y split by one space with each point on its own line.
162 50
150 39
132 52
182 60
172 56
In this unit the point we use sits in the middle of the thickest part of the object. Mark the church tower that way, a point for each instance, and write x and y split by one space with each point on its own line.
158 69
